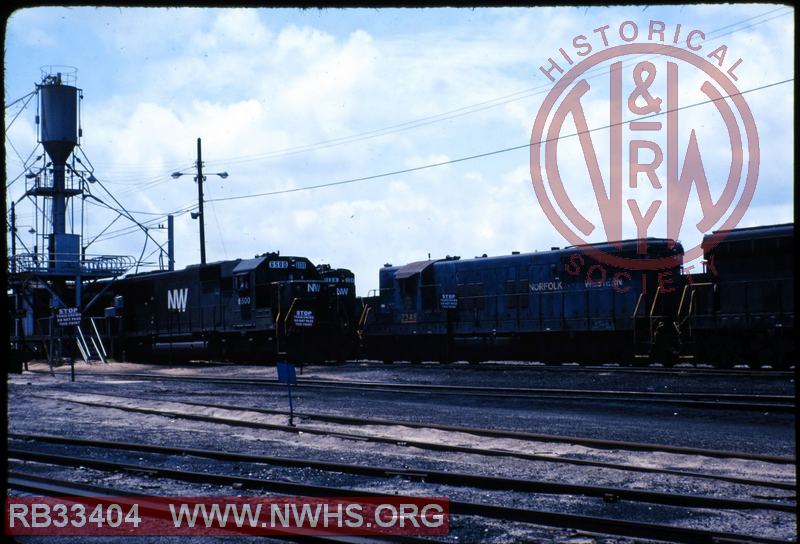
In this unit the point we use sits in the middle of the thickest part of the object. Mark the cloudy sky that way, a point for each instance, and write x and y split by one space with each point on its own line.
286 99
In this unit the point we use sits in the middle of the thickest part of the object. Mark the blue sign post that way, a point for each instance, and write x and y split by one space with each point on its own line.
287 375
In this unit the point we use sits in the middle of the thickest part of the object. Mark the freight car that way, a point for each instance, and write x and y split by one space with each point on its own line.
260 309
555 305
741 308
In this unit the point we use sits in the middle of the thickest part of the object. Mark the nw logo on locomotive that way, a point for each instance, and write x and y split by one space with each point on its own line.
176 299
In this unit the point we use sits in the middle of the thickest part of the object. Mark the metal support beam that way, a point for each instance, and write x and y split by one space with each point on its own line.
13 238
202 216
170 243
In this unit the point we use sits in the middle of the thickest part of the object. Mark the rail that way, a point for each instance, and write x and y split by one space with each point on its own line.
580 522
595 443
429 476
770 403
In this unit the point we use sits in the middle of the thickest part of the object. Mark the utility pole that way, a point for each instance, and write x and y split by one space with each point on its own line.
202 216
13 239
170 242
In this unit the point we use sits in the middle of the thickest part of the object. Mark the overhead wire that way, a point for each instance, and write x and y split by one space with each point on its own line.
493 152
219 229
24 105
20 98
465 110
469 109
25 166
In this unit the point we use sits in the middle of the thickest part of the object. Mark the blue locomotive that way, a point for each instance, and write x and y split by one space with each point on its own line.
552 305
567 304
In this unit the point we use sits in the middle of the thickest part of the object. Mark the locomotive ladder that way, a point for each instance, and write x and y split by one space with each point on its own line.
285 327
684 322
362 321
637 343
643 347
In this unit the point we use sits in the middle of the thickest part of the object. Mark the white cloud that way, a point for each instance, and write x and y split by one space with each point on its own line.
260 85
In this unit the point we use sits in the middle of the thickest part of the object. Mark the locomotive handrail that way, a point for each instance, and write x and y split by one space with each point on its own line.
655 299
636 308
683 297
689 311
691 298
362 321
286 318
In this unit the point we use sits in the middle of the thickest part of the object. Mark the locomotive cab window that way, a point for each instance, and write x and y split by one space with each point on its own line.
429 299
243 282
408 293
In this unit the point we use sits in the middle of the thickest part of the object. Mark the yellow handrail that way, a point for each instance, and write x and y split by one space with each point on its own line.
288 313
362 321
691 299
655 299
636 308
683 297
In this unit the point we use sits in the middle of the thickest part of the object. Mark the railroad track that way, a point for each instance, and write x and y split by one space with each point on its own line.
574 367
492 366
492 433
438 446
54 487
607 493
721 401
539 517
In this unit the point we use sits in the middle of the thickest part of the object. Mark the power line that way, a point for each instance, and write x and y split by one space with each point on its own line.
25 165
466 110
491 153
24 105
20 99
131 229
219 229
137 212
